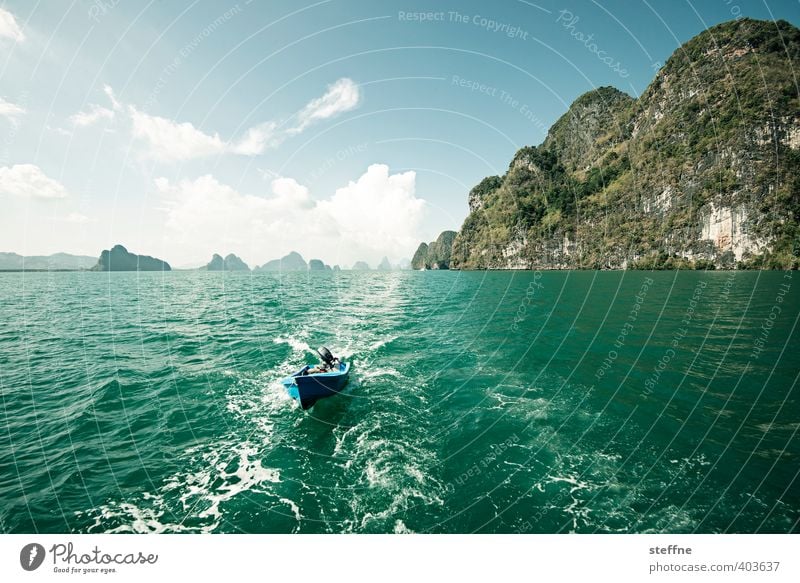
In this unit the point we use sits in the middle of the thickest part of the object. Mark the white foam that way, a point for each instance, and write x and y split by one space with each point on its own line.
378 475
374 372
574 482
340 439
200 494
348 346
415 473
136 520
671 519
294 342
382 342
294 507
249 472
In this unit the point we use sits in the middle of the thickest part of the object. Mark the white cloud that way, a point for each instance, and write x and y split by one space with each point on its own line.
28 180
94 114
290 194
76 218
378 212
110 93
376 215
342 96
58 130
10 110
171 141
257 139
9 27
205 216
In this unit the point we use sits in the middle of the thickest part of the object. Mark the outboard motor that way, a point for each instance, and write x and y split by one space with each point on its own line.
326 357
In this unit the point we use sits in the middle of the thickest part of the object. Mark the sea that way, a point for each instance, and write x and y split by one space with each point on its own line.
478 402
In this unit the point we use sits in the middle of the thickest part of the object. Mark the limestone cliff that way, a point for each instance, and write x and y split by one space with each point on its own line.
435 255
702 170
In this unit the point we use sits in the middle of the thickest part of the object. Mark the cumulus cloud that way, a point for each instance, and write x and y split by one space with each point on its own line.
378 211
28 180
168 140
10 110
204 215
171 141
94 114
376 215
9 27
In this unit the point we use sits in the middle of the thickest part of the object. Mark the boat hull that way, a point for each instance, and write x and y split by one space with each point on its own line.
310 388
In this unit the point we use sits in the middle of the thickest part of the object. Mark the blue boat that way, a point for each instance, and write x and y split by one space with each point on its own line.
314 382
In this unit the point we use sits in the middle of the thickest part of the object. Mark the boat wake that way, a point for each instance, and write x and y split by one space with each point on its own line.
294 342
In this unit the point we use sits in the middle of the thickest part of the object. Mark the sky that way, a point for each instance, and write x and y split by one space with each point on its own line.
342 129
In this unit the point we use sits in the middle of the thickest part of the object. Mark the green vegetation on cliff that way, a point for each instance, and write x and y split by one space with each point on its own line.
703 170
435 255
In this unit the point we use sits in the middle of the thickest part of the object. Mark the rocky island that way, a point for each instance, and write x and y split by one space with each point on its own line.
291 262
702 171
434 255
318 265
230 263
120 259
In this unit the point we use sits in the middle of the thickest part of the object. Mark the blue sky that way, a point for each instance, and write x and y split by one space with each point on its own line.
343 129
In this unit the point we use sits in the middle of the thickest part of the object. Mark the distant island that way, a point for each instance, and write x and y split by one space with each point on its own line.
700 172
55 262
230 263
295 262
318 265
291 262
120 259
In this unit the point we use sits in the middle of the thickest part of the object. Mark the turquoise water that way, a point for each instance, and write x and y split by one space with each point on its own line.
479 402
